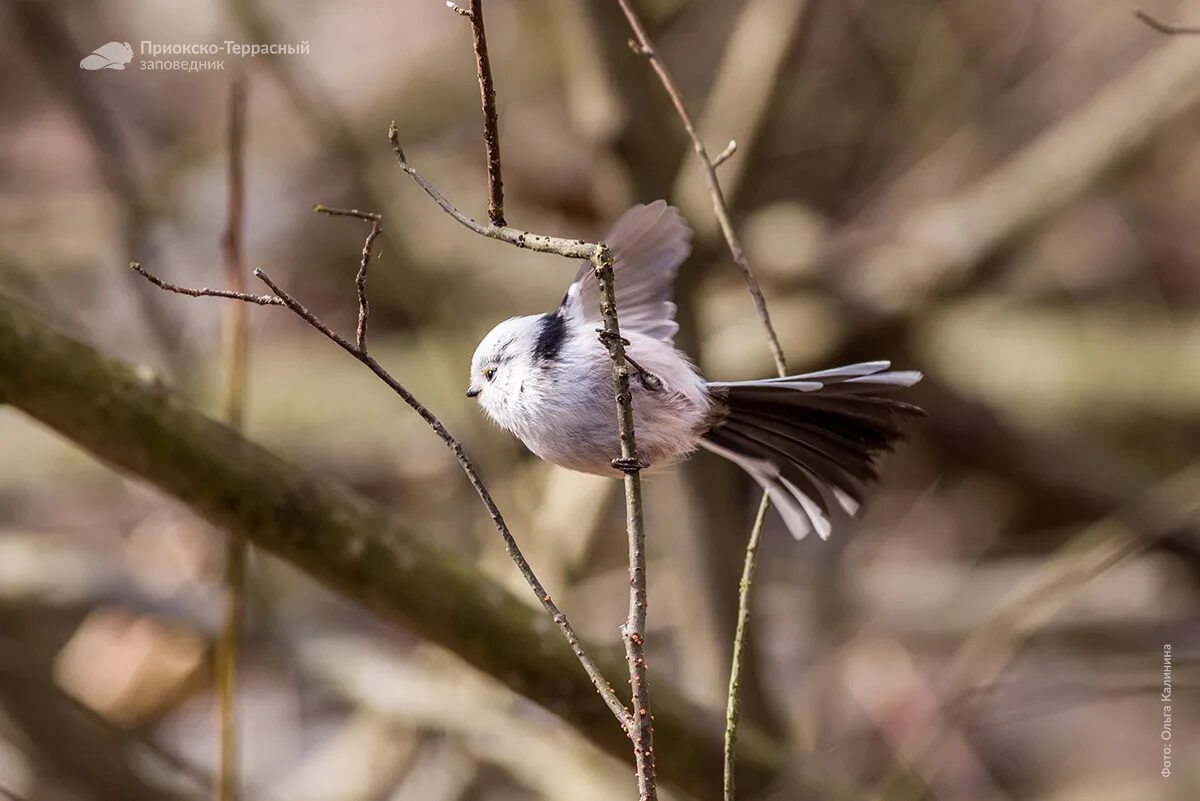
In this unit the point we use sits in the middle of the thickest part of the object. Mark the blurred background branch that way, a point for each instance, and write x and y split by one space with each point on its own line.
345 541
1001 195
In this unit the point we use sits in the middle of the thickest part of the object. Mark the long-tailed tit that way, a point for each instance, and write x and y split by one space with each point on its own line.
811 440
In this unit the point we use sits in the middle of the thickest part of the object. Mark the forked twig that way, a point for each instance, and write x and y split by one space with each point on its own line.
725 154
570 248
360 279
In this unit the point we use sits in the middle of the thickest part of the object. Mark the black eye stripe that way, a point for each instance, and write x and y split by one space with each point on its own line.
552 333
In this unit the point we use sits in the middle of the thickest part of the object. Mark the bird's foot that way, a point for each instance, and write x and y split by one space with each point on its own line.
649 380
628 466
607 337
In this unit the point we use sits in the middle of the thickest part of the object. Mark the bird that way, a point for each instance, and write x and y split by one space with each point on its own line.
812 441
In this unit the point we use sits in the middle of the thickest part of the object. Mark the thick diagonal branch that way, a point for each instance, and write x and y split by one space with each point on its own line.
365 552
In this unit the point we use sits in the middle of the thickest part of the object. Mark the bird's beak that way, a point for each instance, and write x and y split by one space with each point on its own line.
472 391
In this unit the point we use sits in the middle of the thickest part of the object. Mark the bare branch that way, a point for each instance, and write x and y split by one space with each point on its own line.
1169 28
733 704
365 552
641 44
360 279
226 786
205 292
321 208
569 248
633 633
640 728
282 298
725 154
491 125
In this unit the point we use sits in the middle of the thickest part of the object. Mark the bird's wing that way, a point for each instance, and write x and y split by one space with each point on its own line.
648 244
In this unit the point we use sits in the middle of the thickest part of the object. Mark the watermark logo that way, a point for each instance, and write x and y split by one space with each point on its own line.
1166 699
111 56
183 57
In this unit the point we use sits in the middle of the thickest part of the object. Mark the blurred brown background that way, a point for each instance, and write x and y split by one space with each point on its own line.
1003 195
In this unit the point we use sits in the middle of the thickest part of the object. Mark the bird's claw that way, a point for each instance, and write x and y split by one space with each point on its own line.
628 466
608 336
649 380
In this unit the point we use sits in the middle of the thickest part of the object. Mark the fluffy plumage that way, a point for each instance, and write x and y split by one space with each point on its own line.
811 441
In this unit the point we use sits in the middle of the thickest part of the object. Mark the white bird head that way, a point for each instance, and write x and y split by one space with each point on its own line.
504 367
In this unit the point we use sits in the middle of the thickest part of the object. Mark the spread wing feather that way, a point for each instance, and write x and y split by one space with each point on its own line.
648 244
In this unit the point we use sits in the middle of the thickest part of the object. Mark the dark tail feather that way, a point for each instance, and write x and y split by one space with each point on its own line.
812 441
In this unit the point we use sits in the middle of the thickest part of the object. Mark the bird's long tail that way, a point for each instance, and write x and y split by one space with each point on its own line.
812 441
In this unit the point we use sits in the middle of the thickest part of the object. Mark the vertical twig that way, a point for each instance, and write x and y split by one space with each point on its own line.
645 47
633 633
733 704
640 726
491 125
233 410
360 279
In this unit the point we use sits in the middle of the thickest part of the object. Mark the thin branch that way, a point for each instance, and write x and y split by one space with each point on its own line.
205 292
725 154
491 125
1169 28
733 705
321 208
633 633
226 786
640 728
360 279
281 298
231 246
643 46
569 248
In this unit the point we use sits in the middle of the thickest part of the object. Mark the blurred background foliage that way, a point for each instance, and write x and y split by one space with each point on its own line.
1000 194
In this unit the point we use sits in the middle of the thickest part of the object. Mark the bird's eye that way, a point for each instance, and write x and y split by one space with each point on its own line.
489 373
